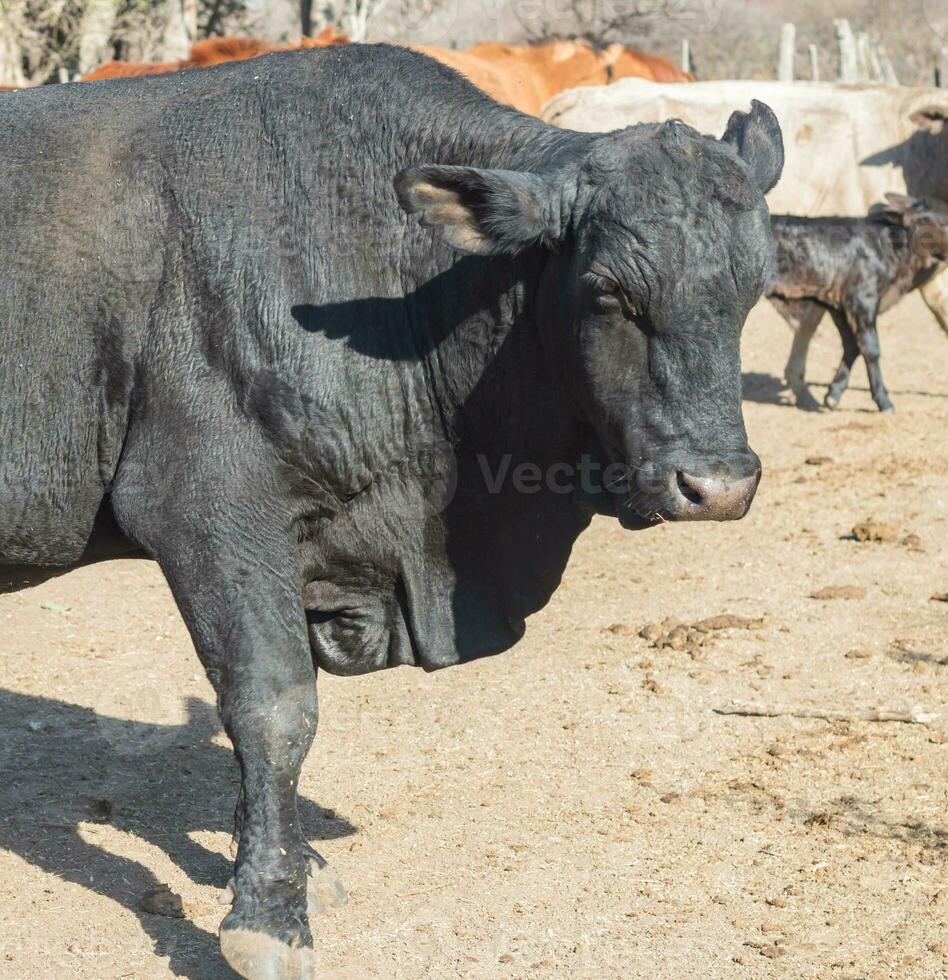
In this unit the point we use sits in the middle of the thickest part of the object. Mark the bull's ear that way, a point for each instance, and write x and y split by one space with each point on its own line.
481 212
756 137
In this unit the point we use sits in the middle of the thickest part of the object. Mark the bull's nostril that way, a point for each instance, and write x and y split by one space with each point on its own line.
723 496
688 490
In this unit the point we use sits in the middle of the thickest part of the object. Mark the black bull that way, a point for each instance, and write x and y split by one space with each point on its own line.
351 438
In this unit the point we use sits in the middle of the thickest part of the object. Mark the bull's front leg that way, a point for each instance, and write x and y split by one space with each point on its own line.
324 887
268 705
235 577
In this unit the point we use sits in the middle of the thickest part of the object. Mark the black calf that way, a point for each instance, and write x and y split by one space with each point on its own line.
856 268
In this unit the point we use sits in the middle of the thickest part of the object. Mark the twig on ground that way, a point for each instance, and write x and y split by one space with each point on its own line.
913 715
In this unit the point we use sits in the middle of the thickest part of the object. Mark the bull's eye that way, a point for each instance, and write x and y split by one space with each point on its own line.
603 286
612 296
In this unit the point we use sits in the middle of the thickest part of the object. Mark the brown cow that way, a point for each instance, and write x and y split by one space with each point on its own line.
534 73
213 51
524 76
489 78
662 69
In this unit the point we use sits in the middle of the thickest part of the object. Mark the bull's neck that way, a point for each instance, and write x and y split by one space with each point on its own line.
486 360
474 317
485 134
488 366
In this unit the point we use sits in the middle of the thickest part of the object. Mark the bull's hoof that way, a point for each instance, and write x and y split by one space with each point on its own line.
830 401
257 956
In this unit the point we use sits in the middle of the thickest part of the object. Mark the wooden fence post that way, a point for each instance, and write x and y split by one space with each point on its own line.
869 69
814 63
889 76
788 40
848 64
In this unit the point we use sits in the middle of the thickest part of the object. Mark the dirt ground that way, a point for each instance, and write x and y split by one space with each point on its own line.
575 807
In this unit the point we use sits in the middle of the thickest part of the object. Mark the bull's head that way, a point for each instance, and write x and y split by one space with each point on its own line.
657 244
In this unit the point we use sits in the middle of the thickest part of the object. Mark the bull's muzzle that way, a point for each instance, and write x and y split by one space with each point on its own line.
710 498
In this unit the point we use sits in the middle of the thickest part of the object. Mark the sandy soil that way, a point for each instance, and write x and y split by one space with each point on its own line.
574 807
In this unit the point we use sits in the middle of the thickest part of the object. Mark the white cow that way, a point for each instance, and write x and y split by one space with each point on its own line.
846 145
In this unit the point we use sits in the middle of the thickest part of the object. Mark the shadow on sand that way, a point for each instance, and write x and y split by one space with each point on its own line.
768 389
62 765
762 388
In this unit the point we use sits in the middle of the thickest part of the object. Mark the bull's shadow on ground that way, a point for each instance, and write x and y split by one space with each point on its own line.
62 764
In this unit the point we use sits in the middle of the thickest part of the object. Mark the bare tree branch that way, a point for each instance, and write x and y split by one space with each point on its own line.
605 21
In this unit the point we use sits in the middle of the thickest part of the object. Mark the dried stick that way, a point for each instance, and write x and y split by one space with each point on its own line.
913 715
